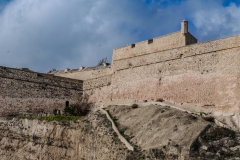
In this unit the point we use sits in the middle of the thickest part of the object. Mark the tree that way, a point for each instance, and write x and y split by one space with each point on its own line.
104 60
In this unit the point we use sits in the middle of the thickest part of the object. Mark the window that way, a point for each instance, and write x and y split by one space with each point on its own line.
150 41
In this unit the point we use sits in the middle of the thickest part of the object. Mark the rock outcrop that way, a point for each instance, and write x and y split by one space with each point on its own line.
155 132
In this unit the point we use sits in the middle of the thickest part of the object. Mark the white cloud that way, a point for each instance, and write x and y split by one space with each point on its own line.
42 34
216 21
46 34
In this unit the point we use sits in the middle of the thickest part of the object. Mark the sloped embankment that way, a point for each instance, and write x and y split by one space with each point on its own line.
168 133
90 138
156 132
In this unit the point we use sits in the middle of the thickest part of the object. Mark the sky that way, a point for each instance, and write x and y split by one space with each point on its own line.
46 34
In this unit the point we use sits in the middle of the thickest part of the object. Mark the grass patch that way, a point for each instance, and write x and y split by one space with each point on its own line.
60 118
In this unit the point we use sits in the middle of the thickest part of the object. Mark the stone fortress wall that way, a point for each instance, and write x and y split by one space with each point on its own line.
93 77
27 92
175 68
203 74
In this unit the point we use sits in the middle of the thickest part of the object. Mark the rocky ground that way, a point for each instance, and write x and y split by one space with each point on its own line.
155 131
169 133
86 139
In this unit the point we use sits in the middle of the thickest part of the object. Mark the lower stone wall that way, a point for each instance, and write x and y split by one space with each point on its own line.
27 97
32 106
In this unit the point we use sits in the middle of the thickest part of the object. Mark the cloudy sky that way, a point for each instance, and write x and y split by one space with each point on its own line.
45 34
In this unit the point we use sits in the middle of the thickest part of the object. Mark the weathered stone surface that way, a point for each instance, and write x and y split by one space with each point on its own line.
26 92
156 132
89 138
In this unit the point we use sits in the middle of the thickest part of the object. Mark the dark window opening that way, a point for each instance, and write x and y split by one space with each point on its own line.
67 103
132 45
150 41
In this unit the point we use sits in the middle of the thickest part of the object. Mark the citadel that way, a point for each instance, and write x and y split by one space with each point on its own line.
199 77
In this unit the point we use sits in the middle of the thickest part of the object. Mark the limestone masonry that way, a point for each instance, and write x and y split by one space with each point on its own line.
27 92
203 77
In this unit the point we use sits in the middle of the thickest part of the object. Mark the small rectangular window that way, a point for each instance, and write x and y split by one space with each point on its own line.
132 45
150 41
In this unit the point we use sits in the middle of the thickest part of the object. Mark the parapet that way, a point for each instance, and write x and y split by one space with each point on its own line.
35 77
169 41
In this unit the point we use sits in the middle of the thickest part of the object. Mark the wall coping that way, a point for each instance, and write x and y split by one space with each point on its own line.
46 76
165 35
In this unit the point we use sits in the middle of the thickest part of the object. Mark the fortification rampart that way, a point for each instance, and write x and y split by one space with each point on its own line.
34 77
178 69
203 74
26 92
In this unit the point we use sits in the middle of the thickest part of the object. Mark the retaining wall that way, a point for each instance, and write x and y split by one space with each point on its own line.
26 92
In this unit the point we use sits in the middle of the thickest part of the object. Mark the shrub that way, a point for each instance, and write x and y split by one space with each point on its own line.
134 106
209 119
78 109
160 100
104 60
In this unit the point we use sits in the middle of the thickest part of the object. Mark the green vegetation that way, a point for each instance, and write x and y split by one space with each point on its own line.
53 118
79 109
70 113
60 118
104 60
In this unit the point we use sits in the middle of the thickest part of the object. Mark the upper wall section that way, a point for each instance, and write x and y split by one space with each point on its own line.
178 53
85 75
169 41
34 77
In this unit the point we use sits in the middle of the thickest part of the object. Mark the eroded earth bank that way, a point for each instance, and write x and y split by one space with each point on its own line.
155 131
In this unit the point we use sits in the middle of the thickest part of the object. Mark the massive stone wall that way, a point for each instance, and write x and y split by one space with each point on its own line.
203 74
177 69
26 92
